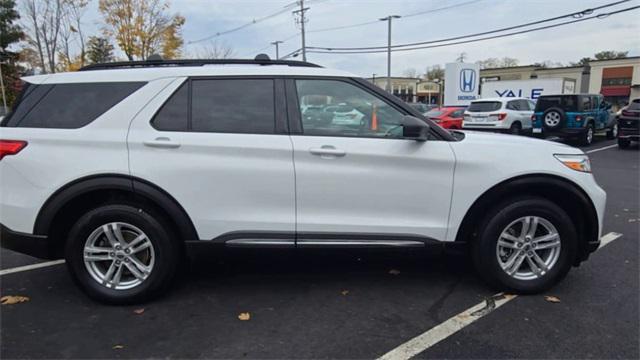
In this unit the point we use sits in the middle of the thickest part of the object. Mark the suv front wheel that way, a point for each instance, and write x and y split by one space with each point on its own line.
586 138
525 245
121 254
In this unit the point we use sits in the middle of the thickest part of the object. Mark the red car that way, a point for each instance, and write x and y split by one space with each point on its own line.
449 117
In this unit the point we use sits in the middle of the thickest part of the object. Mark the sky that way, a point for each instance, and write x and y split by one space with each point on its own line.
563 44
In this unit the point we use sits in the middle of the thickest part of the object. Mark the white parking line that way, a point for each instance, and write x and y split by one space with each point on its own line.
458 322
606 239
30 267
602 148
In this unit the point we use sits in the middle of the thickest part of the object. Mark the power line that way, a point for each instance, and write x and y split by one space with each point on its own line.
253 22
599 16
578 14
407 15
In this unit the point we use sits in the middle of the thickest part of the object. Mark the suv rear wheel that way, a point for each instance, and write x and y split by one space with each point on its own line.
515 128
525 245
121 254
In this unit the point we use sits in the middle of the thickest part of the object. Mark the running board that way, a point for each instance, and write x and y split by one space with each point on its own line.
307 243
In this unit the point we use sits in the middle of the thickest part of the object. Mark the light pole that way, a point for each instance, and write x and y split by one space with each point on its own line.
388 20
4 96
276 43
373 79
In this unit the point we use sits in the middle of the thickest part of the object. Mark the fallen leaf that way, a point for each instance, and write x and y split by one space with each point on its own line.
116 347
138 311
552 299
245 316
345 292
394 272
13 299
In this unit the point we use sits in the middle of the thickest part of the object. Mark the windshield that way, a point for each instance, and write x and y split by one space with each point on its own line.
564 102
484 106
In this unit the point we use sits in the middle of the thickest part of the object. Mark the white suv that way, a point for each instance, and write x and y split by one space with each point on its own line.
124 168
512 115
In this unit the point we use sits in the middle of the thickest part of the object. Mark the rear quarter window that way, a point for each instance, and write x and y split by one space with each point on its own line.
68 106
484 106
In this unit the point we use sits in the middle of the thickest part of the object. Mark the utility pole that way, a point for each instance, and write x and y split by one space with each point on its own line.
302 20
373 80
276 43
4 96
388 20
462 56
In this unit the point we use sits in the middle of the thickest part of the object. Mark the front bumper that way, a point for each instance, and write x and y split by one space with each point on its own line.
32 245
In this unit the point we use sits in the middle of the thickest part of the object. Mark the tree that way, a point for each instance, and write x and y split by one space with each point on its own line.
492 63
610 55
75 10
142 27
99 50
434 72
172 38
548 64
44 21
214 50
410 73
10 33
582 62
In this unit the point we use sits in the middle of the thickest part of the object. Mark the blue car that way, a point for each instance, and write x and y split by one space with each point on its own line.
573 116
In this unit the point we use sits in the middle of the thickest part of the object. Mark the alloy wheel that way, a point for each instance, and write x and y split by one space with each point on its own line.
528 248
119 256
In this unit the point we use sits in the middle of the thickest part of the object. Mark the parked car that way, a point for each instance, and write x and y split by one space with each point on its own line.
629 124
578 116
124 168
448 117
344 114
511 115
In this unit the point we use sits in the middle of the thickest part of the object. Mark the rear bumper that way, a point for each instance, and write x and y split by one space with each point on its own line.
565 132
32 245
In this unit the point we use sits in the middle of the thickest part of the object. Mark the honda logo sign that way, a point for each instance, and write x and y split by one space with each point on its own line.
467 80
461 84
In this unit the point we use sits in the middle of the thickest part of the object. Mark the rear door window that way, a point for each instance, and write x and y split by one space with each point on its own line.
233 106
69 106
245 106
484 106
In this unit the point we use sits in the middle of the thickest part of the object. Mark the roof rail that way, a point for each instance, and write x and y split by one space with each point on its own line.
261 59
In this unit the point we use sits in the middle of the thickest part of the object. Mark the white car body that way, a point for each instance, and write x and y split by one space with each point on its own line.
500 118
283 189
263 189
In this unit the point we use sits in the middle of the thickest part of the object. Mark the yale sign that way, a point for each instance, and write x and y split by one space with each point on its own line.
461 83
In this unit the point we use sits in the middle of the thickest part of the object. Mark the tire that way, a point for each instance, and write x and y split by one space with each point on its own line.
488 257
624 143
515 129
553 119
586 138
612 133
160 253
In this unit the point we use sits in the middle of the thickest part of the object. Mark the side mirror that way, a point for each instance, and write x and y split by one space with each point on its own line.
414 128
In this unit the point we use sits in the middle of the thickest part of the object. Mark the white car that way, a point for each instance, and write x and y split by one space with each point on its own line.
124 168
511 115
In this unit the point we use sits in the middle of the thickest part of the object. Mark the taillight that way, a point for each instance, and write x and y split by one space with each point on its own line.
11 147
628 113
533 118
578 118
500 116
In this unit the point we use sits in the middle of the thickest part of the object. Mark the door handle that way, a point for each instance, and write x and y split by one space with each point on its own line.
327 151
161 142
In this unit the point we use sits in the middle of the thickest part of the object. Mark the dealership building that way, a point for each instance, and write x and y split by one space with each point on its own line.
618 80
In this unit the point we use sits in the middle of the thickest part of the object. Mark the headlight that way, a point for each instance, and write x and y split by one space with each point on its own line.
575 162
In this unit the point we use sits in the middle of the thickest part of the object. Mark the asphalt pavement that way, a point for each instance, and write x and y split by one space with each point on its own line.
344 304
